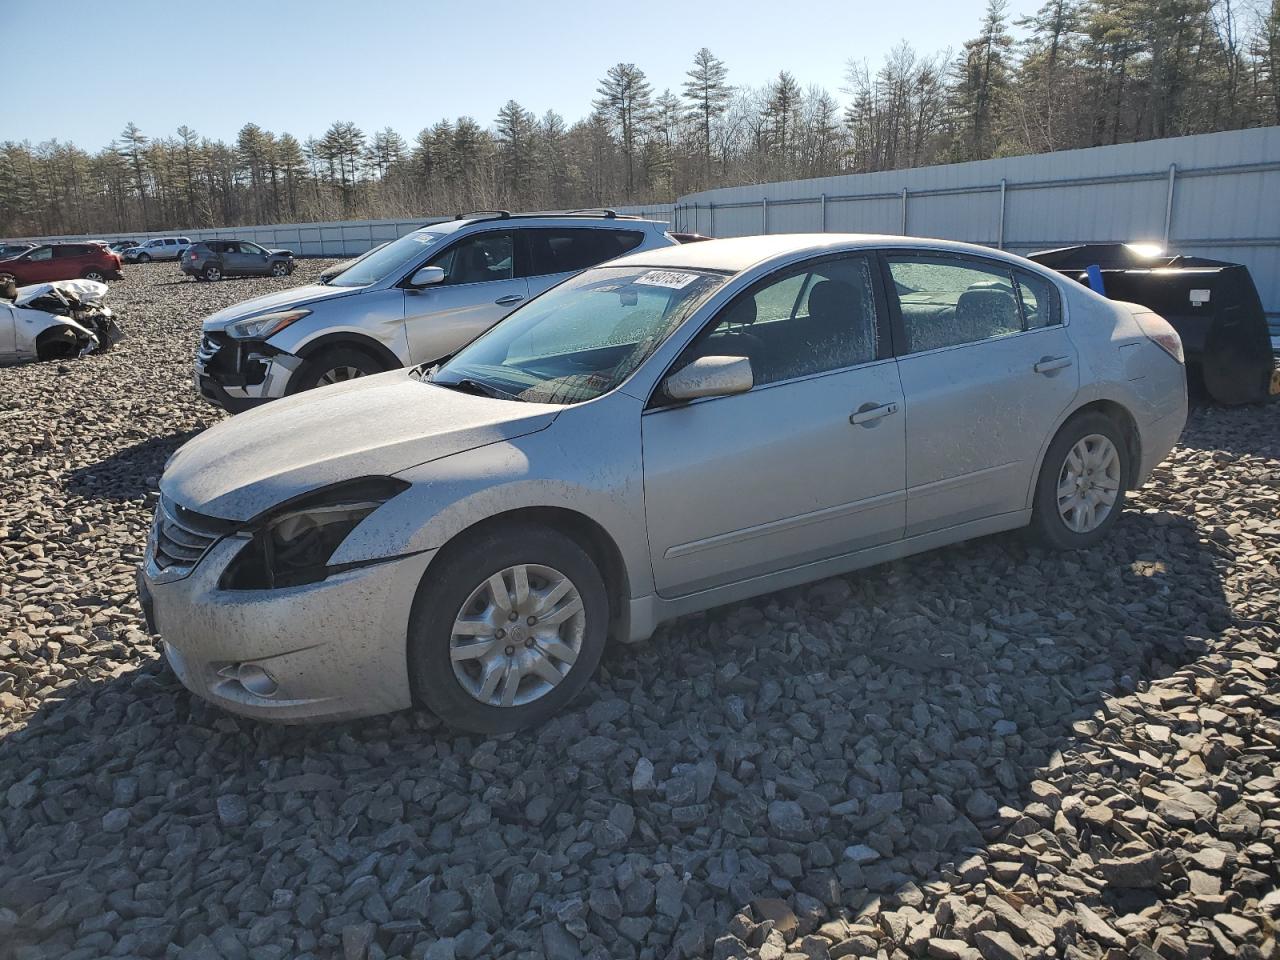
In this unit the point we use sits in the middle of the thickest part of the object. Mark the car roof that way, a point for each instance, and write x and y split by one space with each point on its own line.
737 254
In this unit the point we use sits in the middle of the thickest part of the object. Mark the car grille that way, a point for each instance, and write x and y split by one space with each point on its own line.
208 349
180 537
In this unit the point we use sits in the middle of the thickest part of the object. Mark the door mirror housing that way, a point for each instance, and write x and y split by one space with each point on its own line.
710 377
427 277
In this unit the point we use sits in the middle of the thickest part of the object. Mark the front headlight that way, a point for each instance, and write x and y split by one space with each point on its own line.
291 545
266 326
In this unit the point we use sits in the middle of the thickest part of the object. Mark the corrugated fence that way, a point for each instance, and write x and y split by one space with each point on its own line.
1214 195
341 238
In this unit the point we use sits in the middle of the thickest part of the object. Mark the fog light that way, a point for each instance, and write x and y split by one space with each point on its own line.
256 680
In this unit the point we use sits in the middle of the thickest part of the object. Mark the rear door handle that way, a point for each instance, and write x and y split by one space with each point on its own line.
871 412
1050 364
503 301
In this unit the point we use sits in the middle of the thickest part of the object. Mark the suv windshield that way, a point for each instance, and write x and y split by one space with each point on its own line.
582 338
396 256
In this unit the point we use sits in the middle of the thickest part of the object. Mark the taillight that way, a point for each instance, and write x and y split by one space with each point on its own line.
1161 334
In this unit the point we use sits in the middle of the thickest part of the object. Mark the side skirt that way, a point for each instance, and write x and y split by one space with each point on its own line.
649 611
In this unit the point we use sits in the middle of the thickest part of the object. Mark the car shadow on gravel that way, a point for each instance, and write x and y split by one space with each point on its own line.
127 474
826 744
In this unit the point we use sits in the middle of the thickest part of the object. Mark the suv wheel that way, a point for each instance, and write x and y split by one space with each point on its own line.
507 631
1080 492
279 269
94 274
144 258
335 365
212 273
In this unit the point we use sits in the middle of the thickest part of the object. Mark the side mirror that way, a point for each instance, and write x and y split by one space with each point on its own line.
427 277
710 377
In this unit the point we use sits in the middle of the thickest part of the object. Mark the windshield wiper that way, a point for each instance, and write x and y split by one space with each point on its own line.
468 385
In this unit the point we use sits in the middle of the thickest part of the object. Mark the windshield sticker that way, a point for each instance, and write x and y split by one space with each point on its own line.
665 278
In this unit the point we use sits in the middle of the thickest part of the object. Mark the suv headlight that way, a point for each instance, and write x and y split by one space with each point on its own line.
291 545
265 326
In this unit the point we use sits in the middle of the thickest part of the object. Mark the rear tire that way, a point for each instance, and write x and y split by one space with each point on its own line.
335 365
96 275
1080 492
457 590
212 273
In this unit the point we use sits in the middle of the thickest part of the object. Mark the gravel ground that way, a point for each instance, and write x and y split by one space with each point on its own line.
988 751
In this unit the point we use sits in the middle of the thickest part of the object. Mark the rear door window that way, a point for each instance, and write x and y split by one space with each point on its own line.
948 301
568 249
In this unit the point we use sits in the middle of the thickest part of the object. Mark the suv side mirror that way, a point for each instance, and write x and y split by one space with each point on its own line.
427 277
710 377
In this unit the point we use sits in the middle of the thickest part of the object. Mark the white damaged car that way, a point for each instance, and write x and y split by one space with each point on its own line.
55 321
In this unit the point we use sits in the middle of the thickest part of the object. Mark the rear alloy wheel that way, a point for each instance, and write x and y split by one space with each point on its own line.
96 275
1081 489
212 273
507 630
279 269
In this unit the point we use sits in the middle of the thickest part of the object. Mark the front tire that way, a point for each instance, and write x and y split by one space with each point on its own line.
1080 492
335 365
280 269
507 629
144 258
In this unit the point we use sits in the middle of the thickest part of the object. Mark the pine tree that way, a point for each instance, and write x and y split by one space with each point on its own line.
708 95
624 102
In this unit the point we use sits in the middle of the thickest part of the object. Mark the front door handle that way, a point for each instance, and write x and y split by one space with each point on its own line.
1050 364
503 301
871 412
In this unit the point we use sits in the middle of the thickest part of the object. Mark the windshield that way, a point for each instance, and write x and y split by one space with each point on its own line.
583 338
395 257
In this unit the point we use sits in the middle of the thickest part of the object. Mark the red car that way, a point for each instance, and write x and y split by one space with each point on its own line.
62 261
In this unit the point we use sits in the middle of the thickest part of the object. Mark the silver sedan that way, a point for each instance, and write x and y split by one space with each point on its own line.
679 429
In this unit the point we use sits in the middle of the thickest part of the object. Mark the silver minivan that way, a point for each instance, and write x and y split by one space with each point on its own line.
412 301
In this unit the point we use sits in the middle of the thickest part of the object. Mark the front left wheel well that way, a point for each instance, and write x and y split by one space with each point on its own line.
587 533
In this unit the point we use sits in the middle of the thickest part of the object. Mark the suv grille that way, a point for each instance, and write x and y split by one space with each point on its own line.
180 537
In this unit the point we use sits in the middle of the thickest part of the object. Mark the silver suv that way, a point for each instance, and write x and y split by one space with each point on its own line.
416 300
157 248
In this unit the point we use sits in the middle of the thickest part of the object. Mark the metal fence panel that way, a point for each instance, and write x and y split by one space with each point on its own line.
1214 195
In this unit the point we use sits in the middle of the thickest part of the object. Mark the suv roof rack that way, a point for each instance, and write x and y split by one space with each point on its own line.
485 215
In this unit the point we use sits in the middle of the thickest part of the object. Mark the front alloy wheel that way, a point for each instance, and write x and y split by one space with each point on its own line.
507 627
518 635
279 269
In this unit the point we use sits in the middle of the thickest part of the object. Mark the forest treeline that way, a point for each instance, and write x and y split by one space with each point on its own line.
1082 73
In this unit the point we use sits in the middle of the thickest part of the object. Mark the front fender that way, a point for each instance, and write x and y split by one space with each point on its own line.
575 465
376 317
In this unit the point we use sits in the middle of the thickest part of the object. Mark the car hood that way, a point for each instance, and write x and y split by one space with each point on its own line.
374 426
284 299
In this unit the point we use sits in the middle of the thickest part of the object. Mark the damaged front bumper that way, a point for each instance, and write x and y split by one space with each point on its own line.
239 374
330 650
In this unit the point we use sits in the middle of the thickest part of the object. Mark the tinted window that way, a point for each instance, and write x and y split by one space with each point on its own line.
479 258
69 250
1039 298
171 242
946 302
561 250
802 321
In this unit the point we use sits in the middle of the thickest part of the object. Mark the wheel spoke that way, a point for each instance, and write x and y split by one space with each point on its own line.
562 614
471 651
472 628
520 582
489 682
561 651
498 593
546 670
1066 488
510 686
548 600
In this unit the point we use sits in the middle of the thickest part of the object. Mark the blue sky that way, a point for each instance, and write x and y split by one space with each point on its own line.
298 66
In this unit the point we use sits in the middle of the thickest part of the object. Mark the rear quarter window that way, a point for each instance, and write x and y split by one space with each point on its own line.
1038 296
